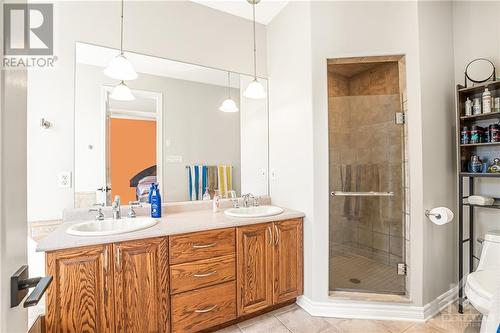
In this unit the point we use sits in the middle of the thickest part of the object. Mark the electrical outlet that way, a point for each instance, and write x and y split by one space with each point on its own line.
64 179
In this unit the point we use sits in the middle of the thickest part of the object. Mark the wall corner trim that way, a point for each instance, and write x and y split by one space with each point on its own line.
355 309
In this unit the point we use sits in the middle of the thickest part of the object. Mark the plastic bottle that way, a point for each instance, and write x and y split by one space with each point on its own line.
156 203
216 202
486 101
468 107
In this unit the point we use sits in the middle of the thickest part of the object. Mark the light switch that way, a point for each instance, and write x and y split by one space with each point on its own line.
64 179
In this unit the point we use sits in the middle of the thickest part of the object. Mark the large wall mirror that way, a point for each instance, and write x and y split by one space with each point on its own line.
172 133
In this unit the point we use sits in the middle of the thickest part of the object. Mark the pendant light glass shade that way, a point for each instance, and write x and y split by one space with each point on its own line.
122 93
228 106
255 90
121 69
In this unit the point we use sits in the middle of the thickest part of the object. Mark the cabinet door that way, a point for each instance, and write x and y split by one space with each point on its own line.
288 260
80 296
141 286
255 273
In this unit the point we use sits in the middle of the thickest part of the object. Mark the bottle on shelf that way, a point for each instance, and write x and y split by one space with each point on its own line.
476 106
468 107
486 101
475 164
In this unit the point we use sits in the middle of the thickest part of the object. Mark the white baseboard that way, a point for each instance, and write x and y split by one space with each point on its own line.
355 309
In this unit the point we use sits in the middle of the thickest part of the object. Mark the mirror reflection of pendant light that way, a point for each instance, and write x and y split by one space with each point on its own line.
255 89
120 67
228 105
122 93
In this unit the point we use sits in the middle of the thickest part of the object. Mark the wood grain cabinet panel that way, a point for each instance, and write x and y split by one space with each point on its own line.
202 273
194 311
255 268
80 297
141 286
288 260
201 245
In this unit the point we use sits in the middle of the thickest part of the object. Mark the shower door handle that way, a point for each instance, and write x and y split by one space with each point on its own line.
361 194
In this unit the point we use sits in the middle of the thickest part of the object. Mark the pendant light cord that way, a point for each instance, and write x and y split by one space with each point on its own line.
254 45
229 85
121 30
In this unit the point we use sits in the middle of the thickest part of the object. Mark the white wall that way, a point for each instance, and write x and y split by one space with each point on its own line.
471 41
191 121
438 138
298 121
290 123
151 27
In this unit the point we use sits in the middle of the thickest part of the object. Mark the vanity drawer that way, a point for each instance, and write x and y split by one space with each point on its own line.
202 273
197 310
202 245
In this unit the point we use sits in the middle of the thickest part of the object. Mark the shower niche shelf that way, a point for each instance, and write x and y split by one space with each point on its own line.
486 151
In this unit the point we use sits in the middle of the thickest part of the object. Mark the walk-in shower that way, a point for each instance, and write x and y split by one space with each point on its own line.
367 156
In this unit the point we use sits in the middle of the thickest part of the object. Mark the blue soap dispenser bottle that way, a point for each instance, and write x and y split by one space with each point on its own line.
156 203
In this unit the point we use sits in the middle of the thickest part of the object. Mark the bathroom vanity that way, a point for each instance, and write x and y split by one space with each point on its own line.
193 271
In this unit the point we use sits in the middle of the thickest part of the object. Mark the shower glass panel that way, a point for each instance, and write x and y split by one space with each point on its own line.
366 171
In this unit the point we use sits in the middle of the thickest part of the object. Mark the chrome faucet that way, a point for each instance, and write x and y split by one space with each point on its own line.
247 198
131 212
116 208
99 216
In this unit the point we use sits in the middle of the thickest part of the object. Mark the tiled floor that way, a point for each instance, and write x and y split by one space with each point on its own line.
367 274
292 319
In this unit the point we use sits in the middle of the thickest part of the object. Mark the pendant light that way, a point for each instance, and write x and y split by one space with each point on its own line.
228 105
122 93
120 67
255 89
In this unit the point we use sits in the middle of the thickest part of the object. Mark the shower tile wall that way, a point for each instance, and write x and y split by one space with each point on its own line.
366 155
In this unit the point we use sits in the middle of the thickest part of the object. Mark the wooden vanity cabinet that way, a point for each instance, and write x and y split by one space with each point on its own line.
181 284
120 287
80 298
288 260
255 268
141 301
270 264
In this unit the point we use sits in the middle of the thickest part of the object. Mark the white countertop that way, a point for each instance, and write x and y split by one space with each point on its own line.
173 223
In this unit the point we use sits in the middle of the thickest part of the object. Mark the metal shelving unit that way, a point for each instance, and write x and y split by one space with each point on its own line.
464 152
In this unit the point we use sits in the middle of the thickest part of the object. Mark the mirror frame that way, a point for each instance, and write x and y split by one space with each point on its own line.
492 75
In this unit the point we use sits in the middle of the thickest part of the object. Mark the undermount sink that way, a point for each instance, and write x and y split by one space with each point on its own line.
259 211
111 227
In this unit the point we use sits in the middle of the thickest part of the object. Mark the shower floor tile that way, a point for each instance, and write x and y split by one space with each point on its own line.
358 273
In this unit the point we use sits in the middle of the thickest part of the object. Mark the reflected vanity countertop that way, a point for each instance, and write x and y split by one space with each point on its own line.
172 223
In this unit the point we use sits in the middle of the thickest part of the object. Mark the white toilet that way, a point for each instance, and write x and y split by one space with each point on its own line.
483 286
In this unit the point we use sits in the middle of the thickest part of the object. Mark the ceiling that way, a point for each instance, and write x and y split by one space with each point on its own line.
265 11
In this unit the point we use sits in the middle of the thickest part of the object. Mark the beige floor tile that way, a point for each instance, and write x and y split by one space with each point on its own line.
287 308
299 321
396 326
423 328
254 320
266 324
359 326
230 329
457 323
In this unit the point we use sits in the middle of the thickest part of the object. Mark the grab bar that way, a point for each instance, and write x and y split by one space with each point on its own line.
361 194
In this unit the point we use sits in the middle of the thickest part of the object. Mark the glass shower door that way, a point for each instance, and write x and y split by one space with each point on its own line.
366 143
